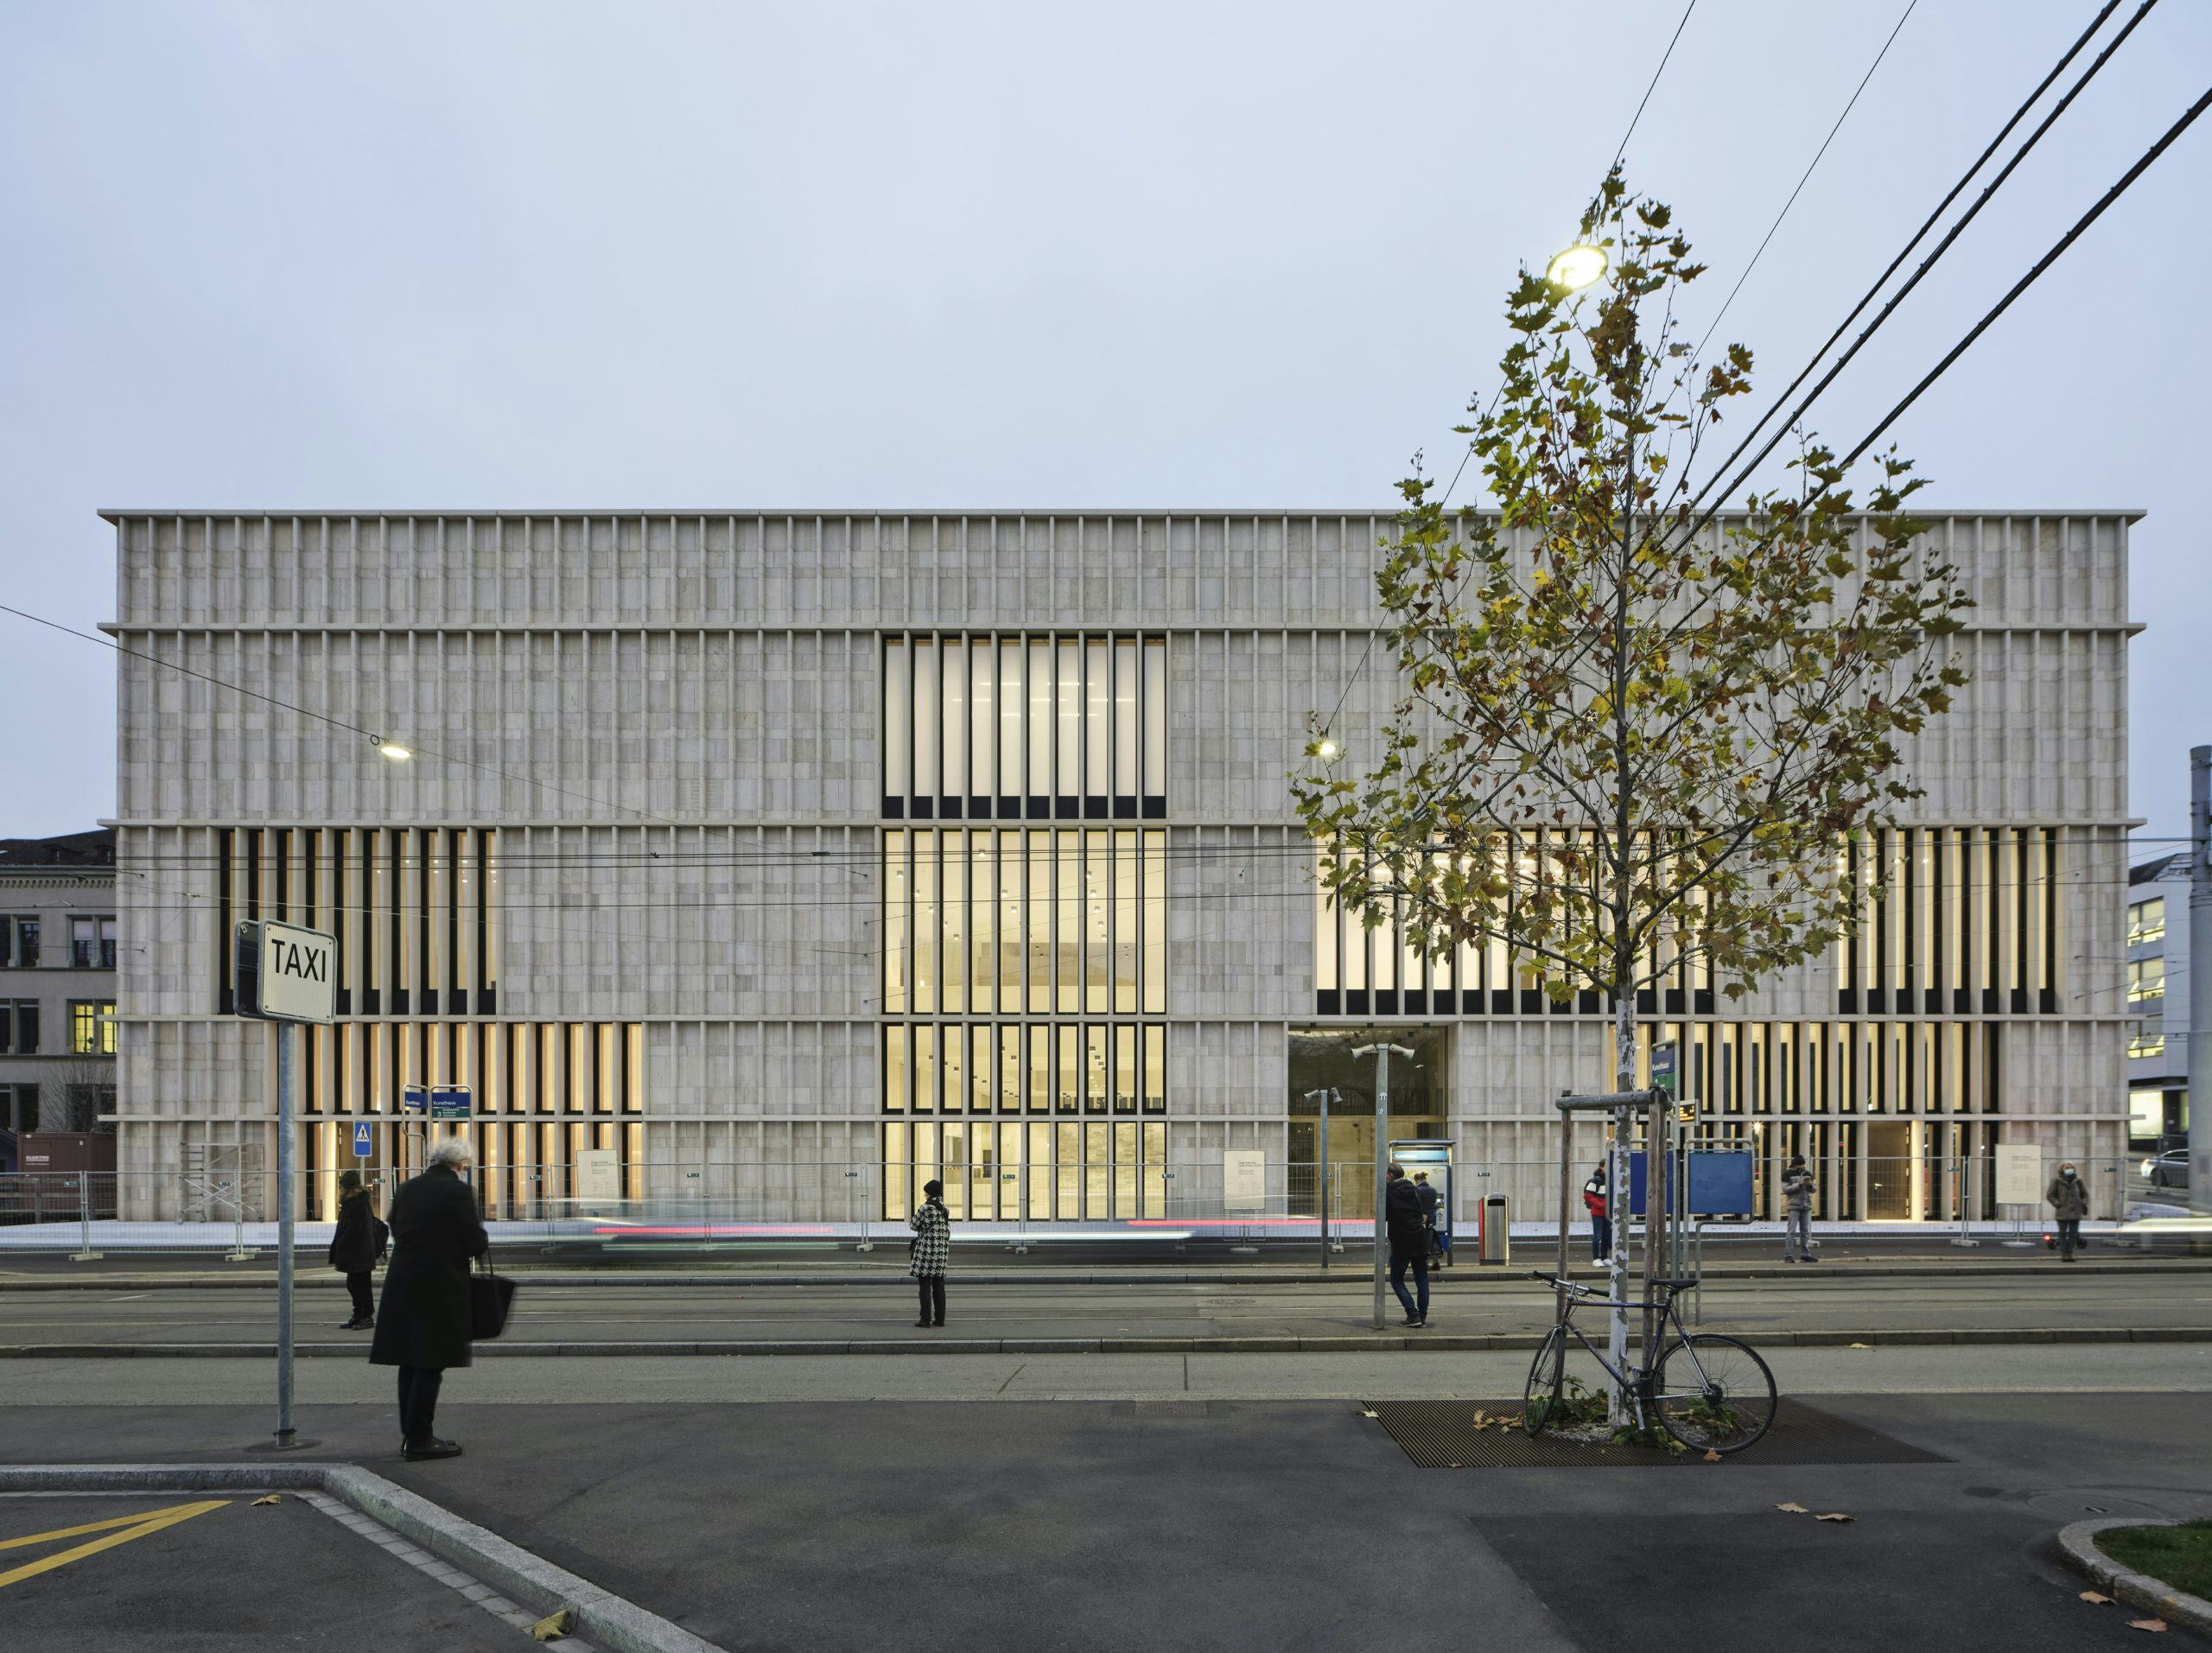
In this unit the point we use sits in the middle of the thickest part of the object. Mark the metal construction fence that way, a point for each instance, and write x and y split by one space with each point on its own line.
1231 1198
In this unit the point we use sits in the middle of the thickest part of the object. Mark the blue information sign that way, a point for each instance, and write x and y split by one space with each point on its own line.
449 1102
414 1096
364 1140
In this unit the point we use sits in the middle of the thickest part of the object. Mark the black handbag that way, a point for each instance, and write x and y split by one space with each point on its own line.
490 1297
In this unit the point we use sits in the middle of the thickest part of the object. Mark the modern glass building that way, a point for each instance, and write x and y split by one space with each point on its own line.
793 859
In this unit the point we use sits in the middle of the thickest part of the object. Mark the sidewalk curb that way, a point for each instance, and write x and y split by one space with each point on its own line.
2077 1544
619 1624
1455 1280
1279 1344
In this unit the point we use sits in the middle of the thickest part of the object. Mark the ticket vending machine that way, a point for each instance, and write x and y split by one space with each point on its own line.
1431 1155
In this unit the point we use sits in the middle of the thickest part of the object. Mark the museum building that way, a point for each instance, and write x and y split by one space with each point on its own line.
793 858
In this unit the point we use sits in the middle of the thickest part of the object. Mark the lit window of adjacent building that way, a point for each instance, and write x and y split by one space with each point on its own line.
18 1027
2146 1040
91 1027
981 728
19 939
2146 921
2146 980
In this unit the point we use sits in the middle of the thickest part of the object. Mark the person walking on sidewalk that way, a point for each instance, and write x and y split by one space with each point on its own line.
424 1322
932 1250
1797 1197
1409 1231
358 1246
1593 1201
2069 1203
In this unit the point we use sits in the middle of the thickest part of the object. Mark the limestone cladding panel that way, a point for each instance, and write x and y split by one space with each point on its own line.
1240 923
631 922
1227 1069
169 918
765 1170
712 1072
543 725
219 1067
658 570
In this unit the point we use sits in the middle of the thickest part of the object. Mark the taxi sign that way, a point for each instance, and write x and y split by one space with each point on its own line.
284 973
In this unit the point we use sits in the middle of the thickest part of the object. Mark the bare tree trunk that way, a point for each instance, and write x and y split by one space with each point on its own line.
1617 1178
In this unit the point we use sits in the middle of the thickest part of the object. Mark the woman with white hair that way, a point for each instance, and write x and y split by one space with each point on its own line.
423 1323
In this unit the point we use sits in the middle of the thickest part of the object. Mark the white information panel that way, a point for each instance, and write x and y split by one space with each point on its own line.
2020 1173
1243 1180
598 1179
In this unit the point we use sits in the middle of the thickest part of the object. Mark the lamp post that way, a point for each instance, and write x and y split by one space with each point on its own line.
1381 1052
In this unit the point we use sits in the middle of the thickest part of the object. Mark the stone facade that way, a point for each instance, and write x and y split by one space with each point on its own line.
672 723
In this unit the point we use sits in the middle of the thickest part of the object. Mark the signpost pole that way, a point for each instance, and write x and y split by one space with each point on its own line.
1381 1053
284 1431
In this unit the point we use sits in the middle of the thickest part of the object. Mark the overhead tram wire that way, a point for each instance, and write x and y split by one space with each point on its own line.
1620 149
1804 179
2058 247
1726 489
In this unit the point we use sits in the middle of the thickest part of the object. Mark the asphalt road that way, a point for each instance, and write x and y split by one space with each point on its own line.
627 1310
1294 1528
233 1576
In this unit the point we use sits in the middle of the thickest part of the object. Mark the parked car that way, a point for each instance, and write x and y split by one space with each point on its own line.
2167 1170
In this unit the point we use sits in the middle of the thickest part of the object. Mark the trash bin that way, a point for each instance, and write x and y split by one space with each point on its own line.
1497 1241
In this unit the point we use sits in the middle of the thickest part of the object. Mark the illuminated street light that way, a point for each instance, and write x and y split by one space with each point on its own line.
1327 750
1576 267
393 750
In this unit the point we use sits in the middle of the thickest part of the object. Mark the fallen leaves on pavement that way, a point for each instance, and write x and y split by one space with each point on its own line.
1835 1515
1711 1456
553 1626
274 1497
1858 1345
2156 1626
2095 1598
1793 1509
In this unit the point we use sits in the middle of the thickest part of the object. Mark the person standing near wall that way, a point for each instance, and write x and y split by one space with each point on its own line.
2069 1203
1593 1201
424 1322
358 1246
1797 1198
931 1251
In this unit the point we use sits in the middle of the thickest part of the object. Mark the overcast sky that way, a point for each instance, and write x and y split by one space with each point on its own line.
302 256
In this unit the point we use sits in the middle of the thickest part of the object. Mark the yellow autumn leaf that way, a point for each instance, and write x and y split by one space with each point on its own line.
553 1626
274 1497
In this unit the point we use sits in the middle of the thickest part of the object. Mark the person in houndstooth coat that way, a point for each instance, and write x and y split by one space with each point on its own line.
930 1252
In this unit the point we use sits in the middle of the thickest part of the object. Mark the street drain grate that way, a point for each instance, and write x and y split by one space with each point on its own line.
1441 1434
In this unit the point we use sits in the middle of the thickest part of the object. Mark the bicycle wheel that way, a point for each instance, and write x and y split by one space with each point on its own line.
1713 1394
1546 1385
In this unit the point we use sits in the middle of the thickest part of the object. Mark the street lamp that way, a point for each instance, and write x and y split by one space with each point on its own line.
391 749
1327 750
1576 267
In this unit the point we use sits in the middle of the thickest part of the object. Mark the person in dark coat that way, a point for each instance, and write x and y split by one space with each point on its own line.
423 1323
358 1247
1409 1231
1432 1211
2069 1203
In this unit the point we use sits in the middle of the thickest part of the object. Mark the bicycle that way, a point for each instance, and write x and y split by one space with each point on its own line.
1711 1393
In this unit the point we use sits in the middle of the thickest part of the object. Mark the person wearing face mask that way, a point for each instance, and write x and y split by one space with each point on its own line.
2069 1203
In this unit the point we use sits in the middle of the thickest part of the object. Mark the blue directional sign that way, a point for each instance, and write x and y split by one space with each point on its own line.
414 1096
449 1102
364 1140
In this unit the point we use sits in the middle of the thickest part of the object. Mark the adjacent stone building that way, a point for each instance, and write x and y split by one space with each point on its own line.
57 941
794 858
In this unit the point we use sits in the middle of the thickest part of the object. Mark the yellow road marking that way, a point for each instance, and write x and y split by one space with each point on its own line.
138 1526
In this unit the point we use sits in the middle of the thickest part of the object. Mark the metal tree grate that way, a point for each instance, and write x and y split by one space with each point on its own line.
1441 1434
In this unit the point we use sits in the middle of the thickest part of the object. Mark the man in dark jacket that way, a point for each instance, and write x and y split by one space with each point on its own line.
423 1323
1409 1231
